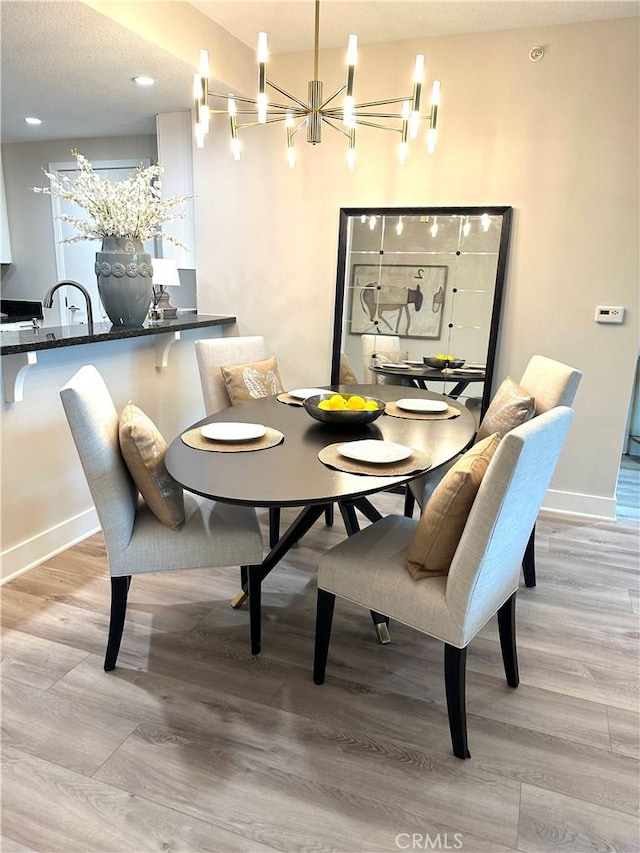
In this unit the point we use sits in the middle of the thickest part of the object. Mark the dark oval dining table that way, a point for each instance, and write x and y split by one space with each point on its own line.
291 475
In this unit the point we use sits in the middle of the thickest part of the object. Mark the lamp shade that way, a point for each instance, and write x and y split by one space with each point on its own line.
165 273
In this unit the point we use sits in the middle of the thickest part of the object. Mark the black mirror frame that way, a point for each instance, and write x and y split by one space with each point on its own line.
346 212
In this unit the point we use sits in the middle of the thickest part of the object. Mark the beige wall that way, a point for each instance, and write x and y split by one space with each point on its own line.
557 140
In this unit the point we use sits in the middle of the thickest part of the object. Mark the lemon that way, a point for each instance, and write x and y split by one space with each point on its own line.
324 404
371 406
441 356
337 403
356 403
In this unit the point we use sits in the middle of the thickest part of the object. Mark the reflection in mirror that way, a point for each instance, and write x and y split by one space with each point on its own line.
428 282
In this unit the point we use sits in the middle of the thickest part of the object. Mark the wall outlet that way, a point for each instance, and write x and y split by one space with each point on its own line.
609 314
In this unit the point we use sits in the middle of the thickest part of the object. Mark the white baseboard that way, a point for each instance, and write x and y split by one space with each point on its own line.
579 504
24 556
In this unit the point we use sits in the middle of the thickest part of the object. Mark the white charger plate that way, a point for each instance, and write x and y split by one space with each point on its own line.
376 452
415 363
303 393
395 364
231 431
422 406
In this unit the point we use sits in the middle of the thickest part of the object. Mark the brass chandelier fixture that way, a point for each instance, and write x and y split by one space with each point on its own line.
296 114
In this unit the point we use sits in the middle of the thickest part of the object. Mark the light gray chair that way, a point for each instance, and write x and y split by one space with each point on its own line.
214 353
551 383
369 567
213 534
372 344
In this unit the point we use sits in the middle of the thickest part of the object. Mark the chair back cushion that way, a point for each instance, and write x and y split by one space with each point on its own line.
511 406
94 426
143 449
444 517
212 353
346 376
486 567
550 382
251 381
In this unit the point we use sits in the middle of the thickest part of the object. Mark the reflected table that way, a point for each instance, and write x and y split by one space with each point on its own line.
420 376
291 475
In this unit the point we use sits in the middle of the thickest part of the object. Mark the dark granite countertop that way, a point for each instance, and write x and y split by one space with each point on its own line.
52 337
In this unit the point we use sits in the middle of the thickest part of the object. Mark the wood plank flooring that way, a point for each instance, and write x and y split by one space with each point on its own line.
192 744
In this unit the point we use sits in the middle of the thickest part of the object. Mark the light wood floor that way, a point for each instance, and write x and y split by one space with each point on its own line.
192 744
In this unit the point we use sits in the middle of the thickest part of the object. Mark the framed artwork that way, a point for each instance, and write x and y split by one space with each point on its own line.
397 299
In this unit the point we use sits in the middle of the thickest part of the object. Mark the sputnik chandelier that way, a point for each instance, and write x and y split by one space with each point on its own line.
297 114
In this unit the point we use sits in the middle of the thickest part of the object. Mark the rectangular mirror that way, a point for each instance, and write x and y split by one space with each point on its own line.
432 279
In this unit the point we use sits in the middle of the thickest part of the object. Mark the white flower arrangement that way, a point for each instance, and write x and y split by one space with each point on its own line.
132 208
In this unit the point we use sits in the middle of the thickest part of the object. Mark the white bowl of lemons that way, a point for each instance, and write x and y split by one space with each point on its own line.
344 409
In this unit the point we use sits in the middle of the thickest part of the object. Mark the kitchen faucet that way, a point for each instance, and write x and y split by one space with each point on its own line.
48 299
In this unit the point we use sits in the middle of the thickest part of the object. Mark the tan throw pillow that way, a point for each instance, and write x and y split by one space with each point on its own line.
510 407
443 519
143 449
251 381
347 376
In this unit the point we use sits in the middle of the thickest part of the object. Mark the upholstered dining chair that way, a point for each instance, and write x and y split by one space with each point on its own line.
212 534
213 354
378 349
550 383
370 567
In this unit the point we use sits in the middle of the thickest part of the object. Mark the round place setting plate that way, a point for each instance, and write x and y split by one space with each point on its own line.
397 365
233 431
303 393
375 452
423 407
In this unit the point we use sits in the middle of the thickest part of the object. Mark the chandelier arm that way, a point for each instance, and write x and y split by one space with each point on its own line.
288 95
379 103
331 97
379 126
299 127
336 127
258 123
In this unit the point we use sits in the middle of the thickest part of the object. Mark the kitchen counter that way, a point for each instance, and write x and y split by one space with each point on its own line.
53 337
20 348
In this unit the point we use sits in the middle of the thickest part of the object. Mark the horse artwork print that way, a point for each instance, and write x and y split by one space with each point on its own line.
398 299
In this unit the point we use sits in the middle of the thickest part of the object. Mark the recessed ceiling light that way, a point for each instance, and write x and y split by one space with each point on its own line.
141 80
33 120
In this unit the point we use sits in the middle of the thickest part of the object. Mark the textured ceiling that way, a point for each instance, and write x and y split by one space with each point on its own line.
72 67
290 25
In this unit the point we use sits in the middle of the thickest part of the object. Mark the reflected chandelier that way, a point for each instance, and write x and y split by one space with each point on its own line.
296 114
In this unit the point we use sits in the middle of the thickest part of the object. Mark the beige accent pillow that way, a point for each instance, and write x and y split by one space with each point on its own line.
346 376
510 407
143 449
251 381
436 537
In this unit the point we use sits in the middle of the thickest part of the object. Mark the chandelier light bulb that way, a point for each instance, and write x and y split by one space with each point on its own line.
263 53
199 134
352 50
204 63
434 227
485 221
399 226
262 107
431 140
418 72
466 228
372 222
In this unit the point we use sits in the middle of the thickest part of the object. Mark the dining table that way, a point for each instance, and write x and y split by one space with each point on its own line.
289 472
420 375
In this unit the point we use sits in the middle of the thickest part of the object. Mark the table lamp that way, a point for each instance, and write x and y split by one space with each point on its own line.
165 274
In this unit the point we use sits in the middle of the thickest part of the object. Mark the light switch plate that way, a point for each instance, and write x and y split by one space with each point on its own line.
609 314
